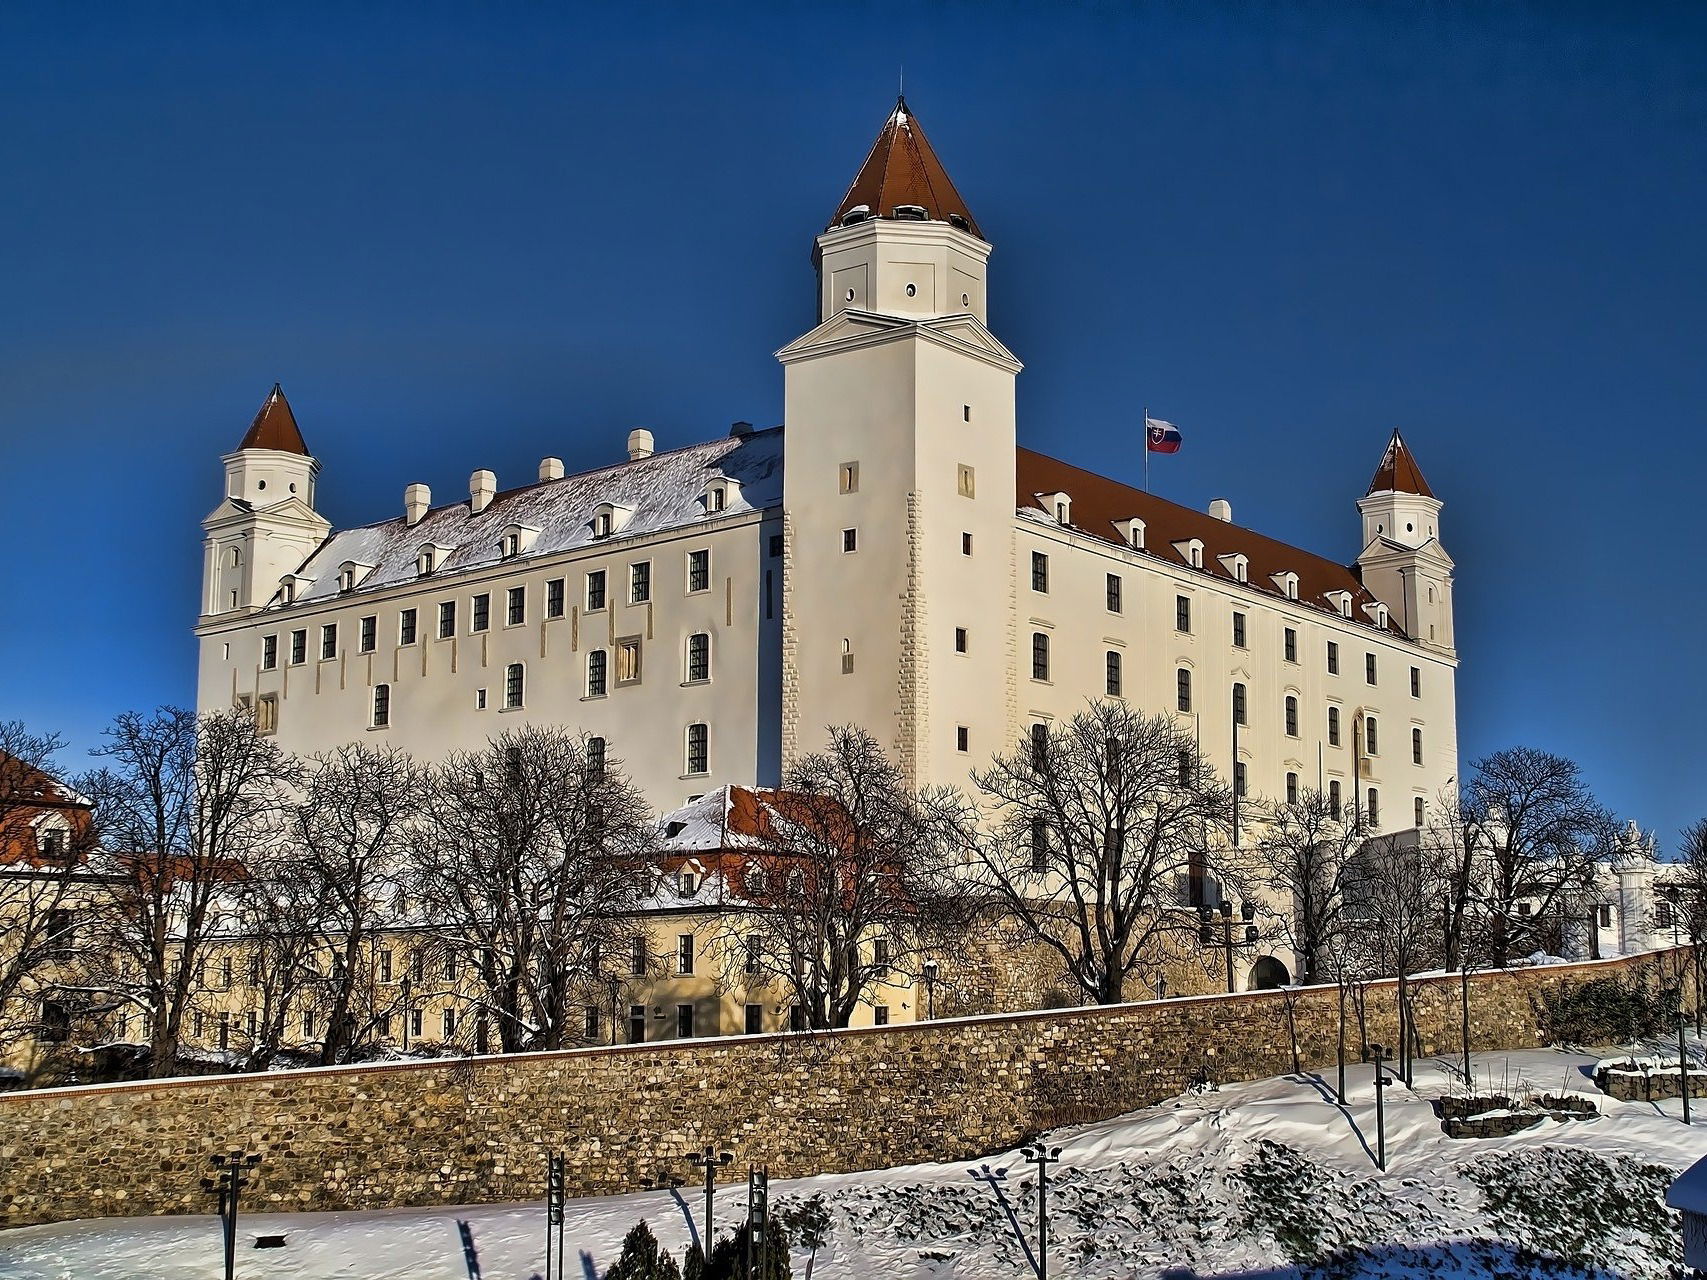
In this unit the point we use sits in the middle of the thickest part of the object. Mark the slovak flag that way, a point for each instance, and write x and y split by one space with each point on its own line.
1161 437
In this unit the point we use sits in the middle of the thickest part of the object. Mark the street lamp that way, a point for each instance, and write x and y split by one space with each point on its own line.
227 1182
711 1160
615 992
1042 1157
556 1191
930 988
1206 930
407 988
1382 1080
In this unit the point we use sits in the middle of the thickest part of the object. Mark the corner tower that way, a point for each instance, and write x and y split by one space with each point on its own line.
898 489
1403 563
266 525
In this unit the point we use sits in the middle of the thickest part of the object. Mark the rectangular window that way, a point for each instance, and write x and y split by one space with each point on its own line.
516 606
850 540
1334 799
406 622
1369 668
880 1015
1370 746
640 582
684 1022
1039 571
628 660
684 953
965 544
481 612
447 1024
1291 788
1114 602
754 1019
1416 746
1184 765
1333 658
595 590
1374 808
1240 710
1417 815
699 656
1333 726
450 968
1182 689
1039 656
1111 673
637 955
328 641
1291 644
848 477
962 738
596 757
298 647
960 639
269 652
1239 787
385 966
480 699
699 570
369 633
1039 743
514 677
416 1018
1291 706
447 619
381 706
554 598
967 481
267 714
699 749
598 670
636 1024
590 1023
1238 630
1416 682
1182 614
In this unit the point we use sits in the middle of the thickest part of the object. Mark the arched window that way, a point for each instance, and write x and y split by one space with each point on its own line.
1112 665
236 557
596 757
1374 809
1333 726
514 679
1416 746
699 656
1291 716
1183 683
1039 656
847 657
598 673
381 705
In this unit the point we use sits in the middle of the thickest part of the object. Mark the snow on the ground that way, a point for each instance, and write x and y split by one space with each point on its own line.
1264 1179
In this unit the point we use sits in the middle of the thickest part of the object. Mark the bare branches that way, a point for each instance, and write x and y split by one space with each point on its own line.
1307 862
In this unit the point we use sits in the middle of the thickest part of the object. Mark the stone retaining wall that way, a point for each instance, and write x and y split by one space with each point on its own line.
476 1130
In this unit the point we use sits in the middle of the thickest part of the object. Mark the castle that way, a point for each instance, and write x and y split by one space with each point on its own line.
889 556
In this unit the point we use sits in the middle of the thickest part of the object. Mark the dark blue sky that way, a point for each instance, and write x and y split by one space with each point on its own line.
468 236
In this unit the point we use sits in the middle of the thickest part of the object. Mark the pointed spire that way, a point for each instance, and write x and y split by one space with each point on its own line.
1398 472
275 427
903 170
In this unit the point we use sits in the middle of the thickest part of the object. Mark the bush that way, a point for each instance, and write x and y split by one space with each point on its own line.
1605 1011
642 1259
728 1259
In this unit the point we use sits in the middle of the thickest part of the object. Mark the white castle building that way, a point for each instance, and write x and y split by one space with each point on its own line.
888 556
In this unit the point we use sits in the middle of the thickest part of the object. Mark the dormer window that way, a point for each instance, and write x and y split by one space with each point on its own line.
1377 614
509 545
1287 581
1191 551
719 493
1059 505
601 524
609 519
292 585
1132 533
1341 600
1238 567
426 560
515 540
350 573
717 499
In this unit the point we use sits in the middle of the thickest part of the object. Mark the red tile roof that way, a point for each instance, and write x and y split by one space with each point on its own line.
275 427
903 170
1398 472
1100 505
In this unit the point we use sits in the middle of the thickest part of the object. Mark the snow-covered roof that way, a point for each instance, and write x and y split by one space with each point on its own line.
664 491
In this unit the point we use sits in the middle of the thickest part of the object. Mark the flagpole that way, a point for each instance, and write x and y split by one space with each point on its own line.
1146 448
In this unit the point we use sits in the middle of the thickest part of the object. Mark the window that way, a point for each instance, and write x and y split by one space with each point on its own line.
385 966
850 540
966 481
796 1018
965 544
962 738
1291 644
774 545
755 948
516 606
513 685
450 968
1603 913
848 477
1039 844
1183 763
267 714
269 652
406 622
1291 788
1416 746
1417 821
640 582
684 1022
447 1024
1182 688
637 955
346 580
602 524
1291 716
754 1019
447 619
1333 726
965 409
596 757
880 1015
509 545
1114 601
590 1022
1333 658
1374 808
554 598
368 632
1239 786
1182 614
699 657
1416 682
628 660
699 749
481 609
1039 743
1111 673
416 1018
1370 739
595 590
1240 715
847 657
699 570
480 699
1039 571
1334 799
684 953
328 641
1369 668
1039 656
717 498
1238 630
381 706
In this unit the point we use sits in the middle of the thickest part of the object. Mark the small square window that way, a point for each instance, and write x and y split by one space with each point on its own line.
962 738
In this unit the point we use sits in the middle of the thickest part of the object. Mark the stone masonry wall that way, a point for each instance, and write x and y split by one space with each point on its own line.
477 1129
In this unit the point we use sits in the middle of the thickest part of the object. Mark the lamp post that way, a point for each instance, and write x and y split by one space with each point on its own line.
1379 1054
711 1160
1674 895
1042 1157
930 988
758 1215
406 987
1464 1002
615 986
555 1194
227 1182
1206 915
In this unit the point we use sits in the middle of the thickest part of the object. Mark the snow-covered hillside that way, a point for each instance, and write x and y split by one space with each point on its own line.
1247 1181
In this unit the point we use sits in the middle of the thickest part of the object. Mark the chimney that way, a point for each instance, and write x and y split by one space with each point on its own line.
551 468
1222 510
639 444
740 428
481 486
416 499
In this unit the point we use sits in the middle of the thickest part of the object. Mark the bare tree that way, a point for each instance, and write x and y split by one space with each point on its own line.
1533 831
1096 830
278 911
850 880
530 856
185 806
1686 895
45 838
1393 914
1305 860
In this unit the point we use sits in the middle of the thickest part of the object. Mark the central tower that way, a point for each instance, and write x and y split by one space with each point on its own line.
898 488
